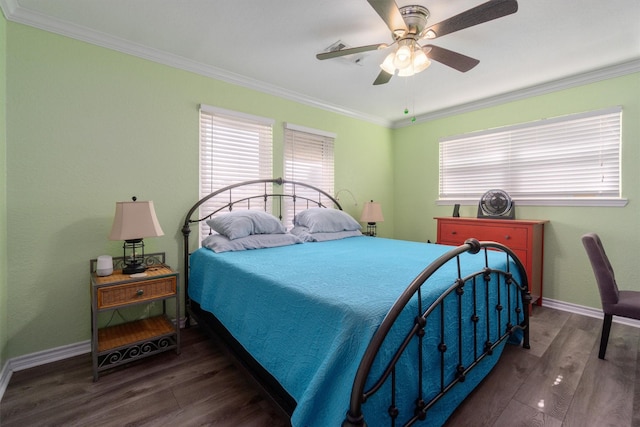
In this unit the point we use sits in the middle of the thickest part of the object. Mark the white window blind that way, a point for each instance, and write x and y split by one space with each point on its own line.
234 147
565 158
308 158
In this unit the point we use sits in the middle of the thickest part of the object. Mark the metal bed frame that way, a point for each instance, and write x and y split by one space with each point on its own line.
483 347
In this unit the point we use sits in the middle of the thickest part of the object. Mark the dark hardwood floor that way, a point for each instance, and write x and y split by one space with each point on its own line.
558 382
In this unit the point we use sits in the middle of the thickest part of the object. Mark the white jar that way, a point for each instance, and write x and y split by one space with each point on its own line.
104 266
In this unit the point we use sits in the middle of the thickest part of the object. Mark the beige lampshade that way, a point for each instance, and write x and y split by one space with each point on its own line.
135 220
372 212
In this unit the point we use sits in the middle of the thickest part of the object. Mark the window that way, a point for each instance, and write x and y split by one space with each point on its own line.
308 158
570 160
234 147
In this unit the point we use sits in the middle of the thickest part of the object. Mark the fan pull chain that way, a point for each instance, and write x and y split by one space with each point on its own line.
413 107
413 119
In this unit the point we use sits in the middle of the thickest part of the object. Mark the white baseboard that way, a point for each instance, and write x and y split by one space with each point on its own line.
47 356
59 353
40 358
586 311
5 376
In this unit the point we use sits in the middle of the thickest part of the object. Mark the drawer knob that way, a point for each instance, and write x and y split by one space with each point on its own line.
454 232
140 292
507 237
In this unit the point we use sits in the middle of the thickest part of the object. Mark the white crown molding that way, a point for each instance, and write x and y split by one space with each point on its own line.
617 70
13 12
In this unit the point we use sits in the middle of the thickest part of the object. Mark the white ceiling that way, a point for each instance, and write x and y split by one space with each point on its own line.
271 46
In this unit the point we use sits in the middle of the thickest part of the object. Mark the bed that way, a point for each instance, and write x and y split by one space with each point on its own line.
344 328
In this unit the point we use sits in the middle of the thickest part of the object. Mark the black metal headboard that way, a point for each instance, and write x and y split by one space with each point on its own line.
263 195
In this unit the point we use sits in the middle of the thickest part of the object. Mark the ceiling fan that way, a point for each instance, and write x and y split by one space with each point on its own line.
408 26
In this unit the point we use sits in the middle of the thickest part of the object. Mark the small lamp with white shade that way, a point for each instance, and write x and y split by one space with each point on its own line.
133 221
371 214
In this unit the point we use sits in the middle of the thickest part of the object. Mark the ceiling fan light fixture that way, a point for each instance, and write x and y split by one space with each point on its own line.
407 60
408 26
421 67
403 54
420 61
387 64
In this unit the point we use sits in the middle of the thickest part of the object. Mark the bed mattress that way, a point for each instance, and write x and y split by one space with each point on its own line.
307 312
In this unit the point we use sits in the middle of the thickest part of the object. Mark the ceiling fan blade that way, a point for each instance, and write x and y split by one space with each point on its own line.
382 78
349 51
450 58
390 14
485 12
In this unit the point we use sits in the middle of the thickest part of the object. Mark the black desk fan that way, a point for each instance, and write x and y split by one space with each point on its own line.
496 204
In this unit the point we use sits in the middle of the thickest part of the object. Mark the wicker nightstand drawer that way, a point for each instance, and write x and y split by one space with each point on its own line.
117 295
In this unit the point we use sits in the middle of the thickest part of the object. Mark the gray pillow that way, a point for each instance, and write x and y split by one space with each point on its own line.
304 235
336 235
325 220
302 232
219 243
243 223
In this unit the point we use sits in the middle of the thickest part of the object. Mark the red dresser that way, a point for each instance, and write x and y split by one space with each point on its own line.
524 237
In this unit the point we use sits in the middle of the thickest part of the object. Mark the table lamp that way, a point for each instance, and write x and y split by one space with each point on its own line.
132 222
371 213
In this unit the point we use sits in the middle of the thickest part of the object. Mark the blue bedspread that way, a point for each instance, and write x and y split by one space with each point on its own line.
307 312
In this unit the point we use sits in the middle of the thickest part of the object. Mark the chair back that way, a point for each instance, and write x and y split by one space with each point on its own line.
602 269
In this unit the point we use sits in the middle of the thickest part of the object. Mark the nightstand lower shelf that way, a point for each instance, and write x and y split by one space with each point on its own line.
134 340
127 333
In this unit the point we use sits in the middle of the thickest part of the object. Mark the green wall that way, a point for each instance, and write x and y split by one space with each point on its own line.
567 273
3 193
87 127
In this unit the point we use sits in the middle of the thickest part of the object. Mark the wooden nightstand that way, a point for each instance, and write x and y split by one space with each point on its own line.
125 342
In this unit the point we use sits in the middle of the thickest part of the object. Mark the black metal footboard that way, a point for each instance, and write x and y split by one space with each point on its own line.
507 319
375 380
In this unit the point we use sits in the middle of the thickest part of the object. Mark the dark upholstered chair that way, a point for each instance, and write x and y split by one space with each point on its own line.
614 301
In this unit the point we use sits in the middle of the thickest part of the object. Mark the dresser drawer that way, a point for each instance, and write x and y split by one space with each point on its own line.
524 237
112 296
456 234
